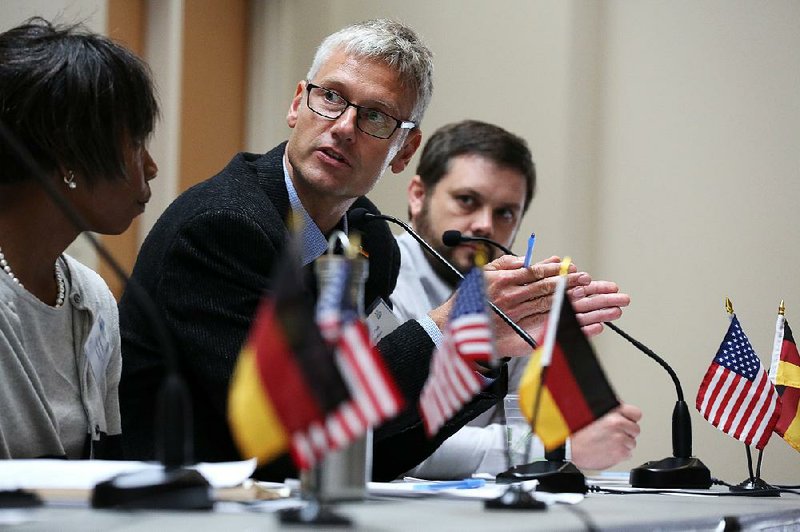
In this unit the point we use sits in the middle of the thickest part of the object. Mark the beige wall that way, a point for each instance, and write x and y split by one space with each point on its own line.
666 138
699 165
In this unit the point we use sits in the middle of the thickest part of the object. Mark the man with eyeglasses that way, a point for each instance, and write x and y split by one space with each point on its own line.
210 258
330 104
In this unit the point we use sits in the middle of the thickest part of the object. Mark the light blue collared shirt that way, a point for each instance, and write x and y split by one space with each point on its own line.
314 242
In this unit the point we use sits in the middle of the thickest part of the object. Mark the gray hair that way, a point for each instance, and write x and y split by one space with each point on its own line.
393 43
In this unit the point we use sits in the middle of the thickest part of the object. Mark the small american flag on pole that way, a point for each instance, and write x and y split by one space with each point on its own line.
374 396
467 337
736 395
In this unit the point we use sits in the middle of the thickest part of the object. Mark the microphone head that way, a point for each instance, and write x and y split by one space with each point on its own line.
358 216
452 238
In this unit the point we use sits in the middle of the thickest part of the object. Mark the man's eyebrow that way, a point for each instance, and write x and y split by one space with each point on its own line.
515 206
341 88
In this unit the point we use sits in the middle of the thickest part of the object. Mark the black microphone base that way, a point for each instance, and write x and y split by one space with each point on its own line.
19 499
162 489
672 472
755 487
554 476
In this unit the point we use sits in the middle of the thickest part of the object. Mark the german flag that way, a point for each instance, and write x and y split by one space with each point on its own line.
785 374
286 383
576 390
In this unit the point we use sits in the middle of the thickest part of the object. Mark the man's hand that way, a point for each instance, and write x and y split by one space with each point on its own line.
526 295
609 440
597 302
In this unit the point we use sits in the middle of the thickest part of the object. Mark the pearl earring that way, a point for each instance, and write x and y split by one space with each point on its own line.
69 180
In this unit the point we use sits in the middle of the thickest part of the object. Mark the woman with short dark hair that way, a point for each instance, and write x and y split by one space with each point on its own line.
82 107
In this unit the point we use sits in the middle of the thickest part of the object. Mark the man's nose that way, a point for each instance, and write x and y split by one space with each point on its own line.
482 223
345 125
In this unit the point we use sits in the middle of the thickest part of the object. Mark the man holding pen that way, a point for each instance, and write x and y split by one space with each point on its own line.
479 179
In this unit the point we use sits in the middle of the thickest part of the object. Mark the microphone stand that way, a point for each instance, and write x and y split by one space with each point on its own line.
682 470
173 487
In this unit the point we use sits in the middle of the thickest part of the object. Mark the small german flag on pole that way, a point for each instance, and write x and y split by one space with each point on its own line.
564 387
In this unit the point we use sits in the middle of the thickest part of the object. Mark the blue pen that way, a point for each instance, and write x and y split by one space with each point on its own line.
467 483
529 253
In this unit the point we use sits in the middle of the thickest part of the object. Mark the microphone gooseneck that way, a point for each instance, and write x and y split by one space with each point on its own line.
361 215
681 422
452 238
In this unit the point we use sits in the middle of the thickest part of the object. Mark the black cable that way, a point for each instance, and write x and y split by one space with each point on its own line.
594 488
583 516
611 491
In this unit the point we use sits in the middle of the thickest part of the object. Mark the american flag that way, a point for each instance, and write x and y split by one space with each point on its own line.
467 337
329 306
736 395
374 396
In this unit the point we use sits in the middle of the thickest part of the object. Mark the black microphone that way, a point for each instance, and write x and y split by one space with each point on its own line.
174 487
679 471
361 215
452 238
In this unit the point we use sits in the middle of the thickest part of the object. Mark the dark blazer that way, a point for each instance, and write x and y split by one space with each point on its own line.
206 264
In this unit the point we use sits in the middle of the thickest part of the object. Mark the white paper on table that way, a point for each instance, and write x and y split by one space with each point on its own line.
486 492
85 474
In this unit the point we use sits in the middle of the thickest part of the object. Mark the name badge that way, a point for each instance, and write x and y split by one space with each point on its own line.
98 349
381 321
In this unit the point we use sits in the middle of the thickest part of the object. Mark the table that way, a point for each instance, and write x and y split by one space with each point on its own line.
602 511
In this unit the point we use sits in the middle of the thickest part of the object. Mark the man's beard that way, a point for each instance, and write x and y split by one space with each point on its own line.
423 227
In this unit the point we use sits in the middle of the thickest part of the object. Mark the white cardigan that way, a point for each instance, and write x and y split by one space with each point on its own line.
28 427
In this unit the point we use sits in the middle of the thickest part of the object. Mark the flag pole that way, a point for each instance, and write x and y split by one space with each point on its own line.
729 310
749 462
536 402
549 340
754 484
516 497
758 464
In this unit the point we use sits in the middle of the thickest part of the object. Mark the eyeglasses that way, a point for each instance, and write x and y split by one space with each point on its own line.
330 104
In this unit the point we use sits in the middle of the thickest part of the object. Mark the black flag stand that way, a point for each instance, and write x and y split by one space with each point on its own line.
754 485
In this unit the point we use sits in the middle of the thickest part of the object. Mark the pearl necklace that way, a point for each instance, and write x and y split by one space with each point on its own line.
62 288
